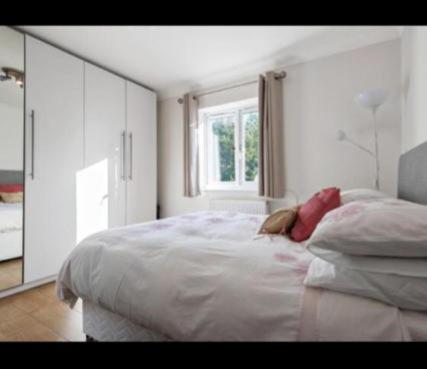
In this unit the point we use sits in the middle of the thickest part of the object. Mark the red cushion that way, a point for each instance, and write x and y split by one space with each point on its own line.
13 187
310 214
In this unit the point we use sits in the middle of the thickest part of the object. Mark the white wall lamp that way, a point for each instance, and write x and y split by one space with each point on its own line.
372 100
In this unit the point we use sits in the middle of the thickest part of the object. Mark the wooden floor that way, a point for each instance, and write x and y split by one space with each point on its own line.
38 315
10 273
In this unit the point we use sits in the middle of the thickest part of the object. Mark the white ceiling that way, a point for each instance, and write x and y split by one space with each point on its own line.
173 59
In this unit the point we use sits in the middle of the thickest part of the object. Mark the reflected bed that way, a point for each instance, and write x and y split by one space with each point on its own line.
11 216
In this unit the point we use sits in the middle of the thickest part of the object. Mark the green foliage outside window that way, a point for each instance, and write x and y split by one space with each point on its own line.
225 134
224 130
251 145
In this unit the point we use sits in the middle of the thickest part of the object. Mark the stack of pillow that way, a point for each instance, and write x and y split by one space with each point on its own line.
373 246
11 193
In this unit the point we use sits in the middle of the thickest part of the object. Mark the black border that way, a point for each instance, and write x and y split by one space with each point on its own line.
213 13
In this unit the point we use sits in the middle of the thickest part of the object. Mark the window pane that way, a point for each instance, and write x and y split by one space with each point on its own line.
251 129
223 148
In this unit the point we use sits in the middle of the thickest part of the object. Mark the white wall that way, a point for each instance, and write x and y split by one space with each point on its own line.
318 100
414 83
11 137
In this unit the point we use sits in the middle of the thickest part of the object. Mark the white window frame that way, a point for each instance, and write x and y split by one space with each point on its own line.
237 109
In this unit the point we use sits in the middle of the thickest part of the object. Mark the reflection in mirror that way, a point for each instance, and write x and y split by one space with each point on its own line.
11 156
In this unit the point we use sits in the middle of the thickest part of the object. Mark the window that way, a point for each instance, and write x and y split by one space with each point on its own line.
229 140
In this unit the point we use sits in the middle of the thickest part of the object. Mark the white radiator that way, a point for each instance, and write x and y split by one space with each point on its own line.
242 206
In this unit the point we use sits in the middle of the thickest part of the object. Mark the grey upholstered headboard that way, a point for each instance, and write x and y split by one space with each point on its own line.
11 176
412 183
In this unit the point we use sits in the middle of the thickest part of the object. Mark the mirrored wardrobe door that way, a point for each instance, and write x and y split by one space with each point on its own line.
11 156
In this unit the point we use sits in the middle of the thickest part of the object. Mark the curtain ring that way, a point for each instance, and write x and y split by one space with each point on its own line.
280 75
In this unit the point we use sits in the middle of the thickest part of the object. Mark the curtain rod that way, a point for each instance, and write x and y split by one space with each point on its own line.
280 75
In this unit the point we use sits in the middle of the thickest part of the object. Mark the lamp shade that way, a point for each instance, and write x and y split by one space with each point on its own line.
371 99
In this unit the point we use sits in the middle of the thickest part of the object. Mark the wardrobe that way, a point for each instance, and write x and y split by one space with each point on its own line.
90 155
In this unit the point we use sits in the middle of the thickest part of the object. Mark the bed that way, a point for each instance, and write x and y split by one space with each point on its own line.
11 216
205 277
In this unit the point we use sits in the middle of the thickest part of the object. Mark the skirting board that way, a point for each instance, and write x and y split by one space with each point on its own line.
27 286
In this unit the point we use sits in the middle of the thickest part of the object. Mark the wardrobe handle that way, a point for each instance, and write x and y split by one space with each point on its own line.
130 156
124 155
32 143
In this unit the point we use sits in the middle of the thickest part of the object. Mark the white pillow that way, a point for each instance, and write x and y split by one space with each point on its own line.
411 267
383 227
404 292
361 194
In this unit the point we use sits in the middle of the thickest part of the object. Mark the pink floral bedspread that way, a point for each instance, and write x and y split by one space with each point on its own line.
200 276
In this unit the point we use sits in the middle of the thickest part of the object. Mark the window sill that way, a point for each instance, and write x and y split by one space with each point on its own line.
236 190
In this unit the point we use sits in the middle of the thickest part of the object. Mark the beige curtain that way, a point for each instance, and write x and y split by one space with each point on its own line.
271 154
191 147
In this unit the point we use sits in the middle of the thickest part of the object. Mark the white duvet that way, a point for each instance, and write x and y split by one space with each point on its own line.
200 276
10 217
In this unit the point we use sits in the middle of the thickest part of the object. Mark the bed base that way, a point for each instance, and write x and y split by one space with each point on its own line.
102 325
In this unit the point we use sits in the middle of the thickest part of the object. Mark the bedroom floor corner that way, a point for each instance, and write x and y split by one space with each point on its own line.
37 315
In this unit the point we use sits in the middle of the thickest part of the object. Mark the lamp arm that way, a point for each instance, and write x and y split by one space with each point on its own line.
377 159
360 147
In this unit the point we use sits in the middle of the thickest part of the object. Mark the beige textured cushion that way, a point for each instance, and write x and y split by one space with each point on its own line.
280 222
11 197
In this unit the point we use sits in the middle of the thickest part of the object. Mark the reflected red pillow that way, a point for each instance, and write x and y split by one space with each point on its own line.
310 213
12 187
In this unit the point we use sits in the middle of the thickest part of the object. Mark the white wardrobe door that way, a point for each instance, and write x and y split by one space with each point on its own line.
142 163
54 156
104 180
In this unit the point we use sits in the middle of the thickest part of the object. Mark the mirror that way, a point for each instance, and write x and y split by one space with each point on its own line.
11 156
